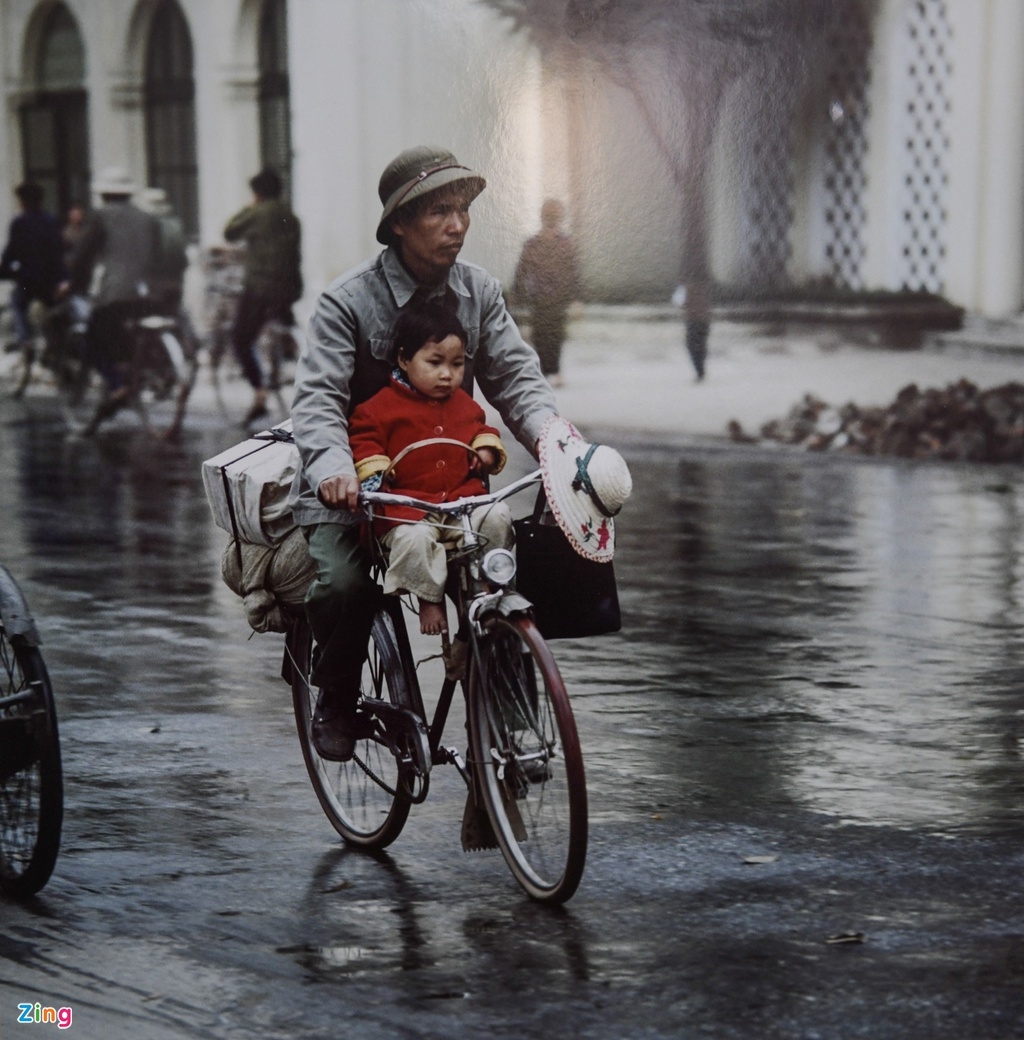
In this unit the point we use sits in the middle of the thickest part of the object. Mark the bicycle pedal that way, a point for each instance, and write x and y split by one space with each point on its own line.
477 832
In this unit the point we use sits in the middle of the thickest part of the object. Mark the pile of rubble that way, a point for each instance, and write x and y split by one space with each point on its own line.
960 422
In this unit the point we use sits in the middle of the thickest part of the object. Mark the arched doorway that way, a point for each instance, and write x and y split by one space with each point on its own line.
169 92
54 120
274 103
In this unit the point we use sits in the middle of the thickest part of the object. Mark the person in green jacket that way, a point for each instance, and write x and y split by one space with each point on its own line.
272 280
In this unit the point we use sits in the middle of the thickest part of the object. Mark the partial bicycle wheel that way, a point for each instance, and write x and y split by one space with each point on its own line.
527 759
162 375
31 785
365 798
276 350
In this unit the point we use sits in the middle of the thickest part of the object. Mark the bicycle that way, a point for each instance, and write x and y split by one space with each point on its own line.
158 374
277 346
524 768
31 782
19 357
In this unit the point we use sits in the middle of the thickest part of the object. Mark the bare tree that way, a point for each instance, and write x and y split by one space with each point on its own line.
677 58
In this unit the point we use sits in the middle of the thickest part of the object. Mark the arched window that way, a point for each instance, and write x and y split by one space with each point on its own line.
170 113
275 122
54 122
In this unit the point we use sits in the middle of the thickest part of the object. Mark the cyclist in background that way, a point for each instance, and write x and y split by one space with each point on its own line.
118 250
33 259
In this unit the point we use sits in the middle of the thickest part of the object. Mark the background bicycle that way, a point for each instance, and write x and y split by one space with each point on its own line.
18 360
157 377
277 348
31 782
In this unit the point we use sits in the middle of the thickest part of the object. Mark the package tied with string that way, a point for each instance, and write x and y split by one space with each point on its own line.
267 562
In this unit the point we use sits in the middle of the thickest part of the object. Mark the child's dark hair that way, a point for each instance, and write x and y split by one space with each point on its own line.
423 323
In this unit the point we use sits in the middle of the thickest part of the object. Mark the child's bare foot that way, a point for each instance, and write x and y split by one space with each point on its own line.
433 620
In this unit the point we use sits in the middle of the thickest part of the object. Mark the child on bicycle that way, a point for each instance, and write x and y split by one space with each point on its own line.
425 400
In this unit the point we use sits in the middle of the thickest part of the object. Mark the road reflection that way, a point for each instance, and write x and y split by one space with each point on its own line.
824 635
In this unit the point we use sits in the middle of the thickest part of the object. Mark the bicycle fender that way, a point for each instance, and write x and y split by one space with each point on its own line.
504 603
512 603
14 611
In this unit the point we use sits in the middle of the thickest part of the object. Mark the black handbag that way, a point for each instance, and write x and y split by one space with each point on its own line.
571 595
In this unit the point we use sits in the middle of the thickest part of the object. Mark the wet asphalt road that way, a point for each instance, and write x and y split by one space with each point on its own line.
809 730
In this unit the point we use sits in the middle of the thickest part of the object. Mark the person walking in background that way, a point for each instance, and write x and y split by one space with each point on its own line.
273 276
118 248
168 277
547 280
74 225
33 259
695 301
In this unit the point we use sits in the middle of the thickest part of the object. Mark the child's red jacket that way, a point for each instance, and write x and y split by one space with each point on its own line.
397 416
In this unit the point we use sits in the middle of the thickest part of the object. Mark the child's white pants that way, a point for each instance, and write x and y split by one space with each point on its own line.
418 560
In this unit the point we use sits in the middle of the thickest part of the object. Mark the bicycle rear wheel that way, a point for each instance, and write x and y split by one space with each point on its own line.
527 759
31 786
364 798
162 376
275 353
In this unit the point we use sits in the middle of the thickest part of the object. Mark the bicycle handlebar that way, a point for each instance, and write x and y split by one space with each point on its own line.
384 498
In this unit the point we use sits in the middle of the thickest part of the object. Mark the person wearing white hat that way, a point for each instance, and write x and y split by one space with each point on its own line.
168 279
121 244
425 194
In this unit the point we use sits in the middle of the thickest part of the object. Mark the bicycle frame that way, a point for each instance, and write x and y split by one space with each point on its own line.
476 599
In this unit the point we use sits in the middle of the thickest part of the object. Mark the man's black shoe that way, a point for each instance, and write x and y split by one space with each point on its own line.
337 728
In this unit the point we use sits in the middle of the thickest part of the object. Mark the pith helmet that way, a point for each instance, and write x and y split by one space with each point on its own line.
113 181
416 172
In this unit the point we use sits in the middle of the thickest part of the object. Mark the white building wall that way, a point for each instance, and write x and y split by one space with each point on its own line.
369 79
402 73
999 285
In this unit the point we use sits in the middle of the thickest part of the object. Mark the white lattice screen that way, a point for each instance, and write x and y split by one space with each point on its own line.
929 50
849 78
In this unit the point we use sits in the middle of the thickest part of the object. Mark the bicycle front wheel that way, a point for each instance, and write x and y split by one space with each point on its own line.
527 759
365 798
31 786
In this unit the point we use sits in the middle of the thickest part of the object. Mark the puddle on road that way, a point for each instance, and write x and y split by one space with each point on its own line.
829 635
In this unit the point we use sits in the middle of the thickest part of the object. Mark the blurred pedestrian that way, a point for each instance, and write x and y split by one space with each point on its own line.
547 280
167 284
168 277
273 277
117 251
74 225
695 301
33 259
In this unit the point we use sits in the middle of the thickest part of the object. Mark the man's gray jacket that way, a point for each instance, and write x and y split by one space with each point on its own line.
349 357
126 242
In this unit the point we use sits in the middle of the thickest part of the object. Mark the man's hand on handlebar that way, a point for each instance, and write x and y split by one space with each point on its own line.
340 492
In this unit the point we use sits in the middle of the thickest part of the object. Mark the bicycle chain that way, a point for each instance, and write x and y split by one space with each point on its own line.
373 776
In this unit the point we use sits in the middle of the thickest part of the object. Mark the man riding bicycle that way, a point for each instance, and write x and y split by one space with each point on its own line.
426 194
123 243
